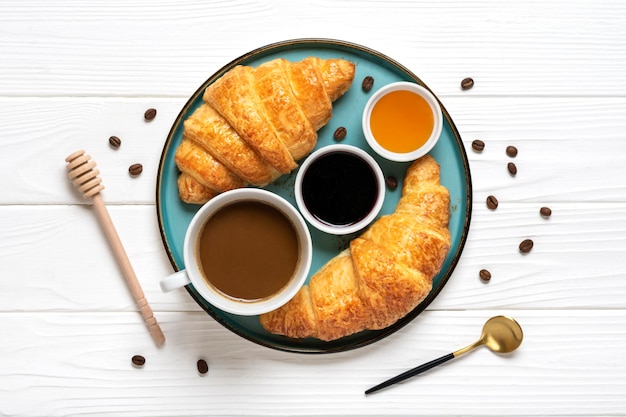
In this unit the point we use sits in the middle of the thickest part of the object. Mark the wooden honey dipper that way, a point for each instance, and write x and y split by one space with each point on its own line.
84 176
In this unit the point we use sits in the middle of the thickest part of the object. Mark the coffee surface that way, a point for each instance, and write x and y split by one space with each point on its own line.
339 189
248 250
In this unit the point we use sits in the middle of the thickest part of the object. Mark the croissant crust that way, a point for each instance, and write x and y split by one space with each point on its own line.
255 124
383 275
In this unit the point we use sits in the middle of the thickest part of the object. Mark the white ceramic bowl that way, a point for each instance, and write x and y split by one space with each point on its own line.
341 203
428 144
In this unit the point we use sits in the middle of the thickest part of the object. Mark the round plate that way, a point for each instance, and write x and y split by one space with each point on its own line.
174 215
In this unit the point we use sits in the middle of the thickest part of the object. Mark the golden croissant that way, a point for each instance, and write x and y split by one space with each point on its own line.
256 123
383 275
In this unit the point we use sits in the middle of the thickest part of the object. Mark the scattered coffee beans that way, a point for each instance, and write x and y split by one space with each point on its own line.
467 83
545 211
484 275
511 151
203 367
526 245
492 202
150 114
512 168
115 142
138 360
367 84
340 133
135 169
392 182
478 145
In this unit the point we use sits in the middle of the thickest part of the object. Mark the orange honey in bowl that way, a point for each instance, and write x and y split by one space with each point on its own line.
401 121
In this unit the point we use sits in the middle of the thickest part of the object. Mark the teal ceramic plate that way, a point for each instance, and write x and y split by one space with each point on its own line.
174 215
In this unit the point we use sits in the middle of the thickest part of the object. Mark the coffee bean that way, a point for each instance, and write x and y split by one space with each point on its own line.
135 169
392 182
526 245
467 83
340 133
511 151
367 84
478 145
492 202
203 367
138 360
545 211
484 275
115 142
150 114
512 168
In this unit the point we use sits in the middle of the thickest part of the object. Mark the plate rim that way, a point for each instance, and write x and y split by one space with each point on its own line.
336 43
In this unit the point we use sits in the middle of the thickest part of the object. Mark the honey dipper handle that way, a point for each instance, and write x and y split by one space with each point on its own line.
127 270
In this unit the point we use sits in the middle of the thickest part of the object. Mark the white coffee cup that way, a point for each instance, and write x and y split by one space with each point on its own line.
192 274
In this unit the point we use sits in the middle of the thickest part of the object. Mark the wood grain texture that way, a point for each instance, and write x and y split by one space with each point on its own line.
166 48
81 273
571 266
74 364
549 79
568 147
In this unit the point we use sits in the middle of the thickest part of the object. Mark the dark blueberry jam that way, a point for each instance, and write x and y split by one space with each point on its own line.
339 189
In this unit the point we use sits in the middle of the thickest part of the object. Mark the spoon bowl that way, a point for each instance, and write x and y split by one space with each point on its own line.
502 334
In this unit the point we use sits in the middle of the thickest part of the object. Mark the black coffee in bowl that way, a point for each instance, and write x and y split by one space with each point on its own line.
339 189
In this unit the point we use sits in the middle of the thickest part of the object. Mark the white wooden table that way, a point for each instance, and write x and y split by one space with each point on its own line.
550 80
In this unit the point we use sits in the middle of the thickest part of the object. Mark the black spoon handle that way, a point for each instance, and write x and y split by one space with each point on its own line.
411 372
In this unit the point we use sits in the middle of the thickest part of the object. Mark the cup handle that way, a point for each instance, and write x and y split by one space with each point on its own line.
175 281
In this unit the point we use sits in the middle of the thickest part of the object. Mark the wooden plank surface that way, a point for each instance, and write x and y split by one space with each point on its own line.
80 364
569 148
549 80
165 48
572 264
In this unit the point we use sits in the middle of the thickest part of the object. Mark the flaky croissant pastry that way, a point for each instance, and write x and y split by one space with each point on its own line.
383 275
256 123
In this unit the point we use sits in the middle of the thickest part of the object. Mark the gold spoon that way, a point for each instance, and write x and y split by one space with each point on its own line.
500 334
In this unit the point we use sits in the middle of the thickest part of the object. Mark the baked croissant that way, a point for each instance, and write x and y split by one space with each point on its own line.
256 123
383 275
